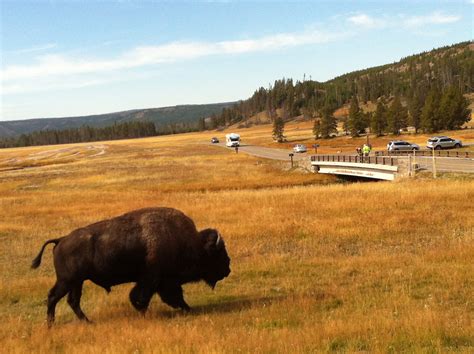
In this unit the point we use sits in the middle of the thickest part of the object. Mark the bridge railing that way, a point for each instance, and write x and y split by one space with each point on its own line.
438 153
379 160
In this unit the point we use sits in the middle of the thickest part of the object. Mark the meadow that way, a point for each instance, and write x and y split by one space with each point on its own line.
318 264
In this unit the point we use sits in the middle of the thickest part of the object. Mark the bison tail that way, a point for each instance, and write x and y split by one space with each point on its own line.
37 261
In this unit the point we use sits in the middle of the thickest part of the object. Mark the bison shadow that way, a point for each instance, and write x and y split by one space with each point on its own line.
162 312
227 306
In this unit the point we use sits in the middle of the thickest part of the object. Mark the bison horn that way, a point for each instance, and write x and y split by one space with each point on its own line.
219 239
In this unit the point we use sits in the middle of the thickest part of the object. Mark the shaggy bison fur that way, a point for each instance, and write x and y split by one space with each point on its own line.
159 249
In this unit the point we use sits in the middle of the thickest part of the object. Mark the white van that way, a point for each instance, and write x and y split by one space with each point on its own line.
232 140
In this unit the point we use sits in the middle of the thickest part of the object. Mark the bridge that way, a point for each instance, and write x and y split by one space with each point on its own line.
382 165
389 166
376 167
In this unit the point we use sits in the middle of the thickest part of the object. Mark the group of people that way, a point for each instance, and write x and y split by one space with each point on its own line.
364 151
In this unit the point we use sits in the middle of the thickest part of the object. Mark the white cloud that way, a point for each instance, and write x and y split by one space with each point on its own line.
38 48
26 78
435 18
51 85
364 20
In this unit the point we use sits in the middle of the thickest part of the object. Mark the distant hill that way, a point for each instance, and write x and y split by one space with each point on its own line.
160 116
412 78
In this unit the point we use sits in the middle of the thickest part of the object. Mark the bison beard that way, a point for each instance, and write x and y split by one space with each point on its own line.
157 248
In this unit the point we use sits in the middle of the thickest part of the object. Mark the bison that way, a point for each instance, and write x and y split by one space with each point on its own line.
159 249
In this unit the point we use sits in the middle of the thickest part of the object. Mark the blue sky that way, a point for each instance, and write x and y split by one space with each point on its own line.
68 58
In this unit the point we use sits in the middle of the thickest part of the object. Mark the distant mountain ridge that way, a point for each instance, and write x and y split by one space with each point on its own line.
160 116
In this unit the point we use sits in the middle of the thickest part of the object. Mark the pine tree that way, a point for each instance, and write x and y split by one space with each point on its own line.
415 106
201 124
453 109
278 129
430 121
397 116
317 128
328 123
355 122
345 125
378 122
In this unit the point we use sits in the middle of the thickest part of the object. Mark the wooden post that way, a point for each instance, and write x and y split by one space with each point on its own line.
291 157
434 164
414 162
409 166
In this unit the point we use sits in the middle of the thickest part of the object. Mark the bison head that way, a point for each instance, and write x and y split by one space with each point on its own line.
215 262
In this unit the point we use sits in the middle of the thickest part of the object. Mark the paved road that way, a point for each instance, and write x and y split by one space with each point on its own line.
268 153
443 164
447 164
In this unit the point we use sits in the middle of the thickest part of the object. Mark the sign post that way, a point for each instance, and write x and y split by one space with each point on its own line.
315 146
291 157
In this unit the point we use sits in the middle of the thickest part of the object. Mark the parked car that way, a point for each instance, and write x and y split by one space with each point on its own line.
214 140
299 148
443 142
401 145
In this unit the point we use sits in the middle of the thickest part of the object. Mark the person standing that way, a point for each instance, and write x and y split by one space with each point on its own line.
366 150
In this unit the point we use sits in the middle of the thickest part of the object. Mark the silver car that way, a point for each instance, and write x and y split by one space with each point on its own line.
443 142
401 145
299 148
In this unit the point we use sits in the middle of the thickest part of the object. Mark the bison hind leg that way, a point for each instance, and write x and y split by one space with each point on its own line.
74 300
57 292
140 297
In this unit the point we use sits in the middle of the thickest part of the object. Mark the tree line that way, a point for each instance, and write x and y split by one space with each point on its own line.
423 90
85 133
440 110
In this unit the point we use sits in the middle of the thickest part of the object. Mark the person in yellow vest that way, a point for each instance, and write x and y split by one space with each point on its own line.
366 150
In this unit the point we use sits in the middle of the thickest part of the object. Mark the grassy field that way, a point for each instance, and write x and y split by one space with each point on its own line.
317 265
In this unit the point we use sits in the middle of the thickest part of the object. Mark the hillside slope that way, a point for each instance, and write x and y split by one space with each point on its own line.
411 78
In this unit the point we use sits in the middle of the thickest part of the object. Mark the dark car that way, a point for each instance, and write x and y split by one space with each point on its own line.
214 140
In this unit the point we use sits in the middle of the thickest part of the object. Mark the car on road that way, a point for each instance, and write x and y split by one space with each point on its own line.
214 140
401 145
299 148
443 142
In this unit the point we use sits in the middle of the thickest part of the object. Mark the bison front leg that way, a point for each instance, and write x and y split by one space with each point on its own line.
140 297
172 294
74 300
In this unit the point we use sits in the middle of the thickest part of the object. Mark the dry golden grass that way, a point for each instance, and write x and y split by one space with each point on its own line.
317 265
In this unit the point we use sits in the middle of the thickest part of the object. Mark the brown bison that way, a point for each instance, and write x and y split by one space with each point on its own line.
157 248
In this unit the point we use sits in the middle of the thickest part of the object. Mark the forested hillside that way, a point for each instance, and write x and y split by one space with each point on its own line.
424 89
126 130
167 119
